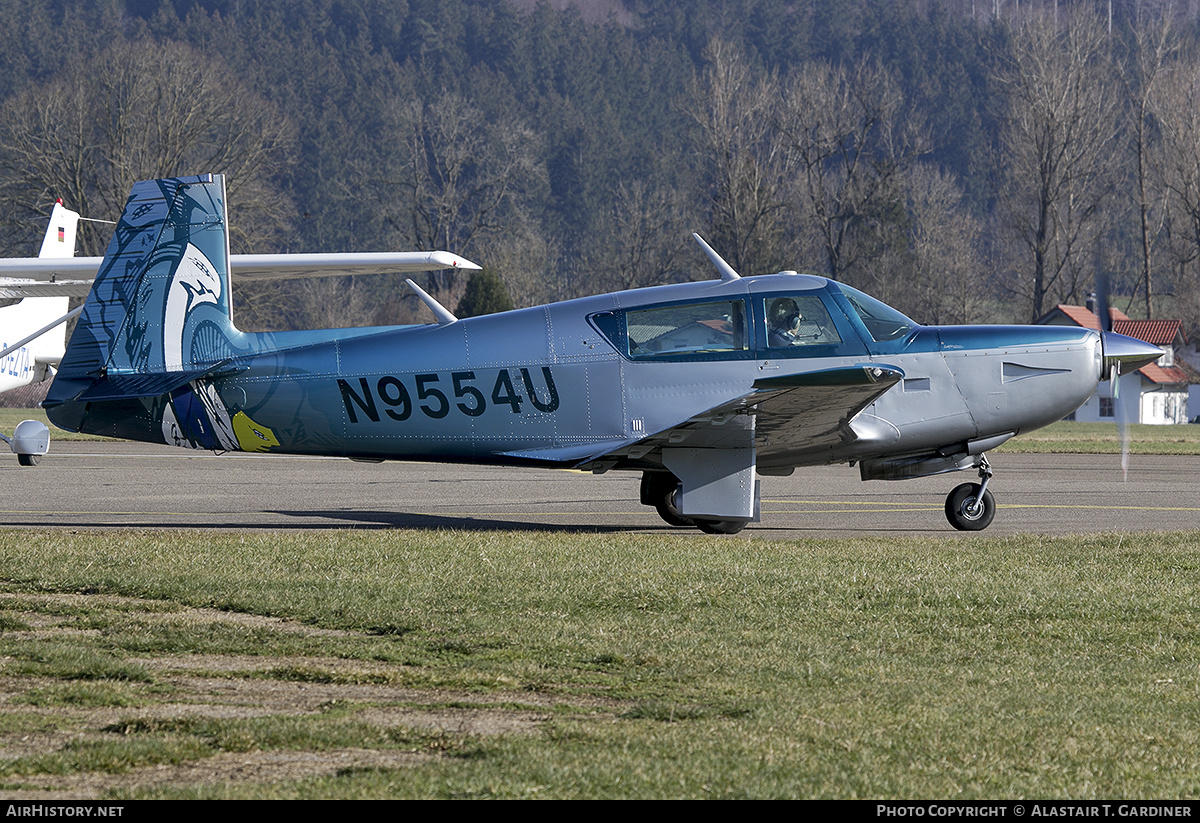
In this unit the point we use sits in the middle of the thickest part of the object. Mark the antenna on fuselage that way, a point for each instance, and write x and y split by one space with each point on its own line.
726 270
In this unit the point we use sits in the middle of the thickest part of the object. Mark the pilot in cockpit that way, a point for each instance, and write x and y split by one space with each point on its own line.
783 321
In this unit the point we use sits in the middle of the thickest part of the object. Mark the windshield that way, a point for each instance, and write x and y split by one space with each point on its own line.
882 321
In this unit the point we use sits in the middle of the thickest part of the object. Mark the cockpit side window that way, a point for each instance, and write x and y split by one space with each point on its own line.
798 321
692 331
693 328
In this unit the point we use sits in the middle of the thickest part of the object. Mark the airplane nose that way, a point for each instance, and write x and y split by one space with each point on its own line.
1127 353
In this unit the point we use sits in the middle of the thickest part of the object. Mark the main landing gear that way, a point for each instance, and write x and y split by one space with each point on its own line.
660 489
970 507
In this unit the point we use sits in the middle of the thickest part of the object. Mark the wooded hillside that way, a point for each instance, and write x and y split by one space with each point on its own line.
965 160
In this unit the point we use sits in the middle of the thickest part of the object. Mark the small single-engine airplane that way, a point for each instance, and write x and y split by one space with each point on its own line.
43 285
700 386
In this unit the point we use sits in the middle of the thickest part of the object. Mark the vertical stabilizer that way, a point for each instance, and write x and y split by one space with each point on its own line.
60 235
33 332
159 311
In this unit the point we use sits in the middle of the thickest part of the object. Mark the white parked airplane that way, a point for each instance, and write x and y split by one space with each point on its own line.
33 330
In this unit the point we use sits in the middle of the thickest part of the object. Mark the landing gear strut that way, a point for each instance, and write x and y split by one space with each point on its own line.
970 507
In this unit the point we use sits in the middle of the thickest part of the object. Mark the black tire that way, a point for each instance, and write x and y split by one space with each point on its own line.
28 459
665 506
721 526
959 504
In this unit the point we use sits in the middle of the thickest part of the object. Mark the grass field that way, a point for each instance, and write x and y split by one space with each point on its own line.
1104 438
606 666
444 664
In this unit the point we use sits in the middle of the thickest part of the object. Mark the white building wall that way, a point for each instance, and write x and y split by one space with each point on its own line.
1164 407
1138 401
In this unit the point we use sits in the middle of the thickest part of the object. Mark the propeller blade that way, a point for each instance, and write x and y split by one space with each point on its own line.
1116 354
1102 300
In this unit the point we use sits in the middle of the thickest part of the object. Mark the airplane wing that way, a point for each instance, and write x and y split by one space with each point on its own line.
794 416
20 275
280 266
32 288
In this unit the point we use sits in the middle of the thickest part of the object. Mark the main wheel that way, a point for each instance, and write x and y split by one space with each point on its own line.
28 459
721 526
961 511
668 511
660 489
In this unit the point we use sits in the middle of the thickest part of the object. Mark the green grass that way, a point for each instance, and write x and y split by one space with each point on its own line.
9 418
680 666
1052 667
1104 438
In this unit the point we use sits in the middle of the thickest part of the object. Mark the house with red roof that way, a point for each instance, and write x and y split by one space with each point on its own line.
1157 393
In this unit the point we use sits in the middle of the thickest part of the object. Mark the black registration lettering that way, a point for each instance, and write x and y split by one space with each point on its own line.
437 412
367 404
503 392
552 404
433 402
395 395
475 409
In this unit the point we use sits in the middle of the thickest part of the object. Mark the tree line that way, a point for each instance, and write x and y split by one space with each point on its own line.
964 160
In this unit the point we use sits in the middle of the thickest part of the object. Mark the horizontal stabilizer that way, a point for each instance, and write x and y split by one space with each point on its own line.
136 386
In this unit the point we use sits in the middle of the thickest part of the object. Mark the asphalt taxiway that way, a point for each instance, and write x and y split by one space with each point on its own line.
105 485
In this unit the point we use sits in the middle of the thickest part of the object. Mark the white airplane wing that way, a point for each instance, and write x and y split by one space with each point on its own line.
43 277
279 266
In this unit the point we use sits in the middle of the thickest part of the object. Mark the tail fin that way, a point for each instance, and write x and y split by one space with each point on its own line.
33 331
60 234
158 315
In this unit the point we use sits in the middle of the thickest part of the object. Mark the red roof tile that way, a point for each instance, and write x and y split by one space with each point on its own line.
1158 374
1082 316
1157 332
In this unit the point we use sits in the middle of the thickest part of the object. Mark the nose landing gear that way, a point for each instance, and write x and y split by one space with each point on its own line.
970 507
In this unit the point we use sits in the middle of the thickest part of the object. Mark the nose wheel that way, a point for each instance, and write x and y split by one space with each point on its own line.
970 507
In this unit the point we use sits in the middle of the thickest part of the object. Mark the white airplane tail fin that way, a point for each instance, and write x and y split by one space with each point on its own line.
33 337
33 331
60 234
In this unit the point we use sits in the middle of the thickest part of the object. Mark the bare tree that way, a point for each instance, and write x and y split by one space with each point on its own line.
142 110
852 142
1154 44
451 178
1173 103
948 285
1058 149
745 165
641 242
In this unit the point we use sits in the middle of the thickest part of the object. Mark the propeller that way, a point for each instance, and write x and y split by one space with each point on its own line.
1113 367
1122 355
